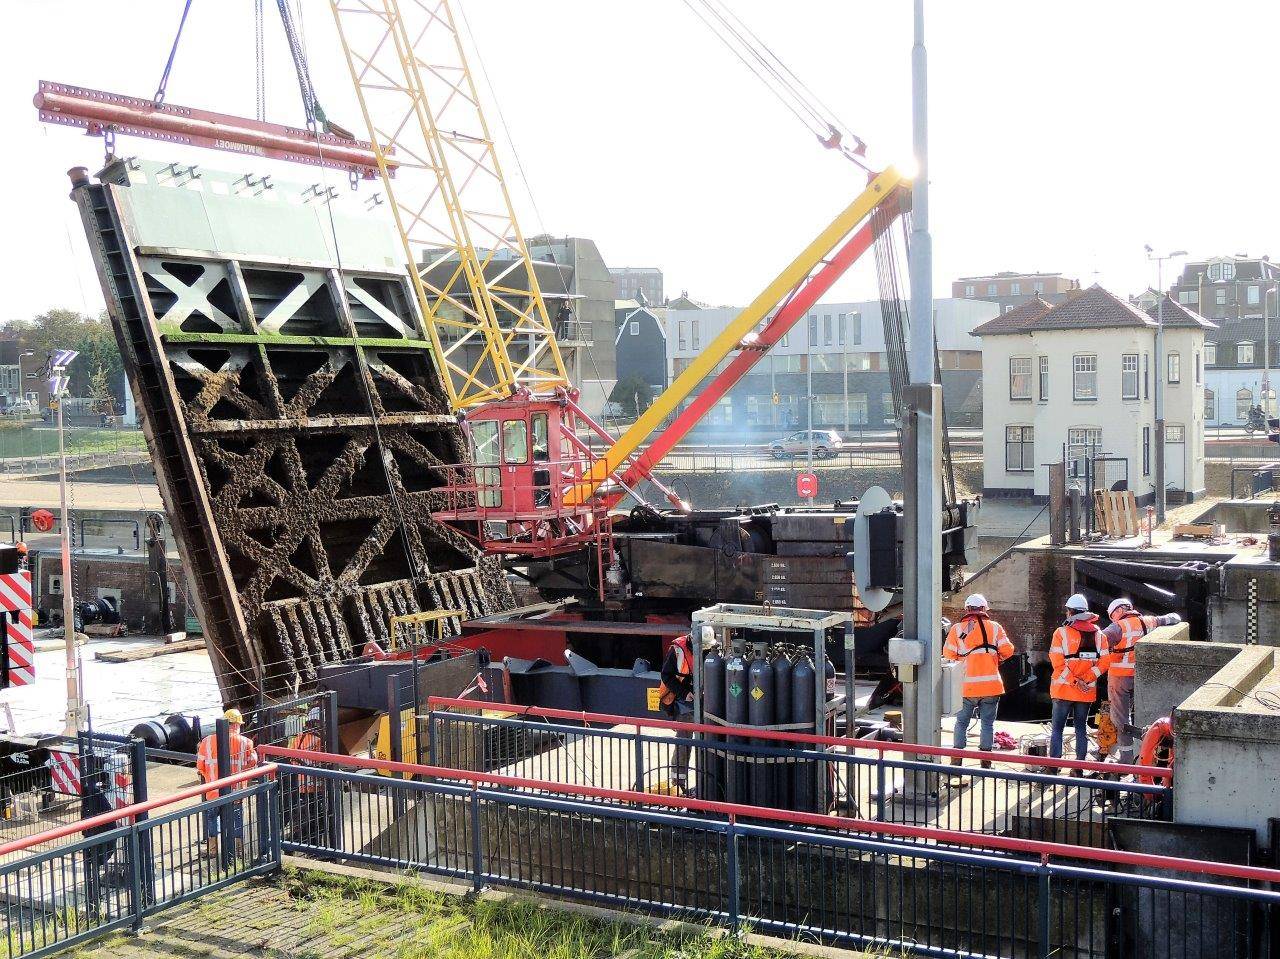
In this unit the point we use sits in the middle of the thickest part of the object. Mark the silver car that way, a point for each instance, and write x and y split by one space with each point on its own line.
826 443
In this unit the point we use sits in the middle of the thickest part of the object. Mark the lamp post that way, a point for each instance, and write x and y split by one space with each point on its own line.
1160 375
22 392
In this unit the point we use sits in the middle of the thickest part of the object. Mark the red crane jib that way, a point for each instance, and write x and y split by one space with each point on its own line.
101 112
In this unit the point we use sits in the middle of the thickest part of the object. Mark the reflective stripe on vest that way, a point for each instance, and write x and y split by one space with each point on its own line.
1132 628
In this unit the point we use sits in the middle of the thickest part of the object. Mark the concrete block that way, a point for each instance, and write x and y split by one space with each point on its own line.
1170 667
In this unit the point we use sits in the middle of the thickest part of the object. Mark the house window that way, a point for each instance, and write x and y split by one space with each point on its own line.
968 290
826 330
1084 377
694 326
1088 437
1220 297
858 408
1197 368
1038 286
1019 449
683 343
1254 296
991 289
886 408
1129 376
1015 289
1210 413
785 341
1215 272
1244 353
1175 433
1044 378
1188 296
1244 403
857 329
1020 378
1146 451
1211 354
1174 367
840 331
635 328
1228 271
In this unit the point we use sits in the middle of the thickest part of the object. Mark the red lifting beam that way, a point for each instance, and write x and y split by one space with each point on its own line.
100 112
804 297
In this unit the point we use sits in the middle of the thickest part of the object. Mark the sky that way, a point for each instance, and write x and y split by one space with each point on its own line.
1064 134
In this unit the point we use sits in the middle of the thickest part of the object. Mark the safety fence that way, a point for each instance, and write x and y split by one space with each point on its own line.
870 779
869 884
733 461
85 879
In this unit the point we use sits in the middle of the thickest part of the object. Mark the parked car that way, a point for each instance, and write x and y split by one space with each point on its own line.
19 407
826 443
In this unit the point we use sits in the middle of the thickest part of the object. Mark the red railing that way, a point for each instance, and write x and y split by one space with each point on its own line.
753 732
135 810
1033 847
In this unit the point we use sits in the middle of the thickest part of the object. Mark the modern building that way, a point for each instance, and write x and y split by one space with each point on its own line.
1013 289
843 346
641 344
15 384
1242 296
642 283
1076 381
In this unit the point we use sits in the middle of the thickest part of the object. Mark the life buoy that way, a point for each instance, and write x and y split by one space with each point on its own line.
1157 747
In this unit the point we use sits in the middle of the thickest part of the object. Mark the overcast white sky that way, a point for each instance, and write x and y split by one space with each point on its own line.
1065 135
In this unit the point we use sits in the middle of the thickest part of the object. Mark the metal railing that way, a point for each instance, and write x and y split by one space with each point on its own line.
1262 479
938 893
127 865
735 767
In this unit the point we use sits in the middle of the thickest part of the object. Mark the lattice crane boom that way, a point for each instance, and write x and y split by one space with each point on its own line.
471 269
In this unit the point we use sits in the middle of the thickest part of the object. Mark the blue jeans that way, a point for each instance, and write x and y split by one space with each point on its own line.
985 707
1063 709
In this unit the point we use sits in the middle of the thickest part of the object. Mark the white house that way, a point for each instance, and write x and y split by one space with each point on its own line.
1076 380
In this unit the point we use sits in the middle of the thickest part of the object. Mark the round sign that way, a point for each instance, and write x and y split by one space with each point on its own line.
42 520
806 485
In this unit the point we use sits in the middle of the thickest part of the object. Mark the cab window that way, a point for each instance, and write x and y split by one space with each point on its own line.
515 441
541 443
484 434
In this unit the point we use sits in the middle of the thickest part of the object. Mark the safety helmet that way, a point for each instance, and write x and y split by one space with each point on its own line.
1077 603
234 716
313 714
976 601
1118 603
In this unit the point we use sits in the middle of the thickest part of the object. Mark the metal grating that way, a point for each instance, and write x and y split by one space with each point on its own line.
255 370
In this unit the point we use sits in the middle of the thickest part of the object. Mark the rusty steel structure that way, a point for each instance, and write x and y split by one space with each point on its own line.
295 413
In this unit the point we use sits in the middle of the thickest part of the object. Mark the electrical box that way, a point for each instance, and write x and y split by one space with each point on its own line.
952 686
906 652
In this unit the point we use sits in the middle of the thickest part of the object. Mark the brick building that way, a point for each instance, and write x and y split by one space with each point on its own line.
1013 289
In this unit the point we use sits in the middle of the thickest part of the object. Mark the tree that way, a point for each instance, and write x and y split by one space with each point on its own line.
633 394
91 336
100 392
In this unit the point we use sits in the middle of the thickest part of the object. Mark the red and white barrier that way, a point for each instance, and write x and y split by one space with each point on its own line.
15 603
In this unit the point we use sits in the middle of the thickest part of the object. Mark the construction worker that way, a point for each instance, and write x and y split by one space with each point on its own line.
307 808
982 645
242 756
1127 627
1078 655
676 698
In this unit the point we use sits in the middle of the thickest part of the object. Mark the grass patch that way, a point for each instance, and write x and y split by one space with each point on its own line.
30 441
408 921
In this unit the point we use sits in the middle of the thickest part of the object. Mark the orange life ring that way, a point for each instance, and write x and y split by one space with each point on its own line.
1157 744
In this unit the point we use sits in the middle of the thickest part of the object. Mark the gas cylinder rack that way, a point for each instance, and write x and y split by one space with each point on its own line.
766 667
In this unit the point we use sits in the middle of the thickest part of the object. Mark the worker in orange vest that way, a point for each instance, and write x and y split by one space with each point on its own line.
676 697
1127 627
981 644
307 814
243 756
1079 657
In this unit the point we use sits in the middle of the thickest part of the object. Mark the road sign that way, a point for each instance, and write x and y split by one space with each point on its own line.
806 485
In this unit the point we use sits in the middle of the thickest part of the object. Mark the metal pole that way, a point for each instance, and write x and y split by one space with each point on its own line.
844 367
1159 371
812 323
226 845
74 697
1266 357
922 599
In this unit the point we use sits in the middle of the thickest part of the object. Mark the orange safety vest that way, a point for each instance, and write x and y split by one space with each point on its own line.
1132 628
307 742
983 645
243 756
1071 663
684 666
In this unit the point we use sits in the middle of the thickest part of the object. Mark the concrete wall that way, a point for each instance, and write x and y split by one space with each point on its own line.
1170 668
1247 606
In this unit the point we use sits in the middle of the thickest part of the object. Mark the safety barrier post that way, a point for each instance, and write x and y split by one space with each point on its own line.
146 867
275 814
226 844
639 744
1043 902
135 877
332 792
432 758
477 866
731 867
880 786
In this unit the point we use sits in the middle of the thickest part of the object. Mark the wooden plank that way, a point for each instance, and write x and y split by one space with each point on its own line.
1131 512
149 652
1200 530
1100 510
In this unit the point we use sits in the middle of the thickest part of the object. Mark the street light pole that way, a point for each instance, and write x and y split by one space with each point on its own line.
1160 375
808 365
75 698
22 392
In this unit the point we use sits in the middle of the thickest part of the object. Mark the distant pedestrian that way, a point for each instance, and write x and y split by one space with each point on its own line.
242 756
1078 656
981 645
1128 626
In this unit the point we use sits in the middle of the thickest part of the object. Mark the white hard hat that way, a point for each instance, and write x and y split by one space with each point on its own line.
1117 603
976 601
1078 603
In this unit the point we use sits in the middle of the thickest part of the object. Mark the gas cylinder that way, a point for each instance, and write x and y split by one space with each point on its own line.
782 782
735 714
803 785
760 713
711 784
